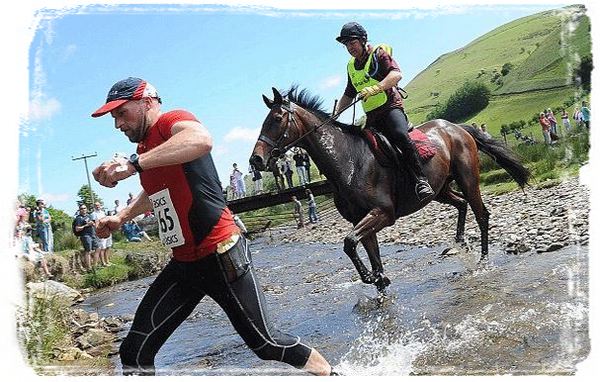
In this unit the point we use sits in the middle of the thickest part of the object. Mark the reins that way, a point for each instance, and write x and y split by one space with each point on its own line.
291 119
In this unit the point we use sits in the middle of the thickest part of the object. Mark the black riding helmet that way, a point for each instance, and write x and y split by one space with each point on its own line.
351 31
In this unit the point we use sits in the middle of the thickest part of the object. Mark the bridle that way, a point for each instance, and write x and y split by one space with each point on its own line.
278 151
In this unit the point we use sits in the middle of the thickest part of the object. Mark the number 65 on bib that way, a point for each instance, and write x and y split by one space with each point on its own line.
169 228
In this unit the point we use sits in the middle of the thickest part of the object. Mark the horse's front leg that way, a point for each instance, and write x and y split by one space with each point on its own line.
372 223
372 247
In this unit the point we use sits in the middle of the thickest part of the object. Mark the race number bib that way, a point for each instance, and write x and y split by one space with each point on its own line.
169 228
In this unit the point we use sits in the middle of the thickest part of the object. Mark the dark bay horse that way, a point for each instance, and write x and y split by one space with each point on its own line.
369 195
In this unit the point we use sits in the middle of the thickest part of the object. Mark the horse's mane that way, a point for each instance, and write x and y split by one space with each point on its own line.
312 103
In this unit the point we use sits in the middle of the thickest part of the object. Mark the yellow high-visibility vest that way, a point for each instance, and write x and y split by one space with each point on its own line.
360 79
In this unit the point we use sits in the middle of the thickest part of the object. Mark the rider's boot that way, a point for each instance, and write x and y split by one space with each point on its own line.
422 187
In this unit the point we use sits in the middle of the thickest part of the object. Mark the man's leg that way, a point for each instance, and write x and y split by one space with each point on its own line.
44 265
87 260
166 304
396 128
236 289
87 246
43 235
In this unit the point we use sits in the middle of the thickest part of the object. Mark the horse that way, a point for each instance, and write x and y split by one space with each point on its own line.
372 196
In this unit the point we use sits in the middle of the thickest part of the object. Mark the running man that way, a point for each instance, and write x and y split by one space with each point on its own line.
210 257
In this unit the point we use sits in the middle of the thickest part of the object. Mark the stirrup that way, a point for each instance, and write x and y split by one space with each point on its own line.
423 189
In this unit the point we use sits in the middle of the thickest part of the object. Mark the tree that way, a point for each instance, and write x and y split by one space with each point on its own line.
60 220
583 74
88 197
28 200
504 130
506 68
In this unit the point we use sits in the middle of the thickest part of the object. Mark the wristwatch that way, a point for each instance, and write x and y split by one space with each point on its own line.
134 159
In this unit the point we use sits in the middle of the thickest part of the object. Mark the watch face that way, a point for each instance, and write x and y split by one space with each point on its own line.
133 157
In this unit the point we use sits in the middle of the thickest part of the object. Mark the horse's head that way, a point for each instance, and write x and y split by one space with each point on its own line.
280 128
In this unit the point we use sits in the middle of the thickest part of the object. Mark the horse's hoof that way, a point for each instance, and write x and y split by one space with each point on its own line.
382 282
368 279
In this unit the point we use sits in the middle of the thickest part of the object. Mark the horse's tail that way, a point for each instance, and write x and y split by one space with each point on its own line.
501 154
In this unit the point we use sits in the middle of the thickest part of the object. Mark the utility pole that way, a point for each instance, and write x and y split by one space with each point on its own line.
87 173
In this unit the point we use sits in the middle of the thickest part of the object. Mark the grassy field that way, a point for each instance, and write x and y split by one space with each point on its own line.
542 51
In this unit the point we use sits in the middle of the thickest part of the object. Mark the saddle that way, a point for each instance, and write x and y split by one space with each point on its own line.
390 156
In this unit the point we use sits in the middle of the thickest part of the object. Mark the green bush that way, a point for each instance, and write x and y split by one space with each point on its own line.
469 99
506 68
43 325
107 276
64 240
545 163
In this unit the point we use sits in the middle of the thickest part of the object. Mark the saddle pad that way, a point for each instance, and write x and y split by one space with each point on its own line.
425 147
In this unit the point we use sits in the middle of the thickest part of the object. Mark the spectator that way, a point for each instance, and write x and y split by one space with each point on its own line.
545 128
43 226
298 215
84 225
130 199
585 114
257 179
32 252
484 131
232 187
21 214
104 244
312 207
577 117
475 126
134 233
286 169
553 123
118 207
238 178
21 217
564 116
306 165
300 169
278 177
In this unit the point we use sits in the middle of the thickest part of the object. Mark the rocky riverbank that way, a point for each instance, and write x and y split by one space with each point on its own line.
544 218
58 335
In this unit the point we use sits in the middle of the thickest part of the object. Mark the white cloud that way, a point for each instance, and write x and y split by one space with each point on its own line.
218 150
242 134
42 108
69 52
330 82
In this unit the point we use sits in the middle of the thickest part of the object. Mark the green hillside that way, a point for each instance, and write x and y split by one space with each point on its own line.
541 52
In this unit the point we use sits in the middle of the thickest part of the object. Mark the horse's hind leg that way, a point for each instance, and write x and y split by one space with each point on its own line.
466 175
448 196
372 247
372 223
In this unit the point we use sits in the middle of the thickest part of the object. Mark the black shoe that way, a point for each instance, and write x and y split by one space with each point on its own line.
423 190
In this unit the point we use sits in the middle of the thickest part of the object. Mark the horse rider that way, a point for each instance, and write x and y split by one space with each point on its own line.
374 74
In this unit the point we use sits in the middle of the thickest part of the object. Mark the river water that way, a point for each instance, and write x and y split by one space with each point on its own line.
444 315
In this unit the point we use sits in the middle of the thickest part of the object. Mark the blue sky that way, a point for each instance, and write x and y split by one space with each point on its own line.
214 61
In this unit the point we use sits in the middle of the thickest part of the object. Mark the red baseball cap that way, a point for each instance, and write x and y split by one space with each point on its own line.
131 88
